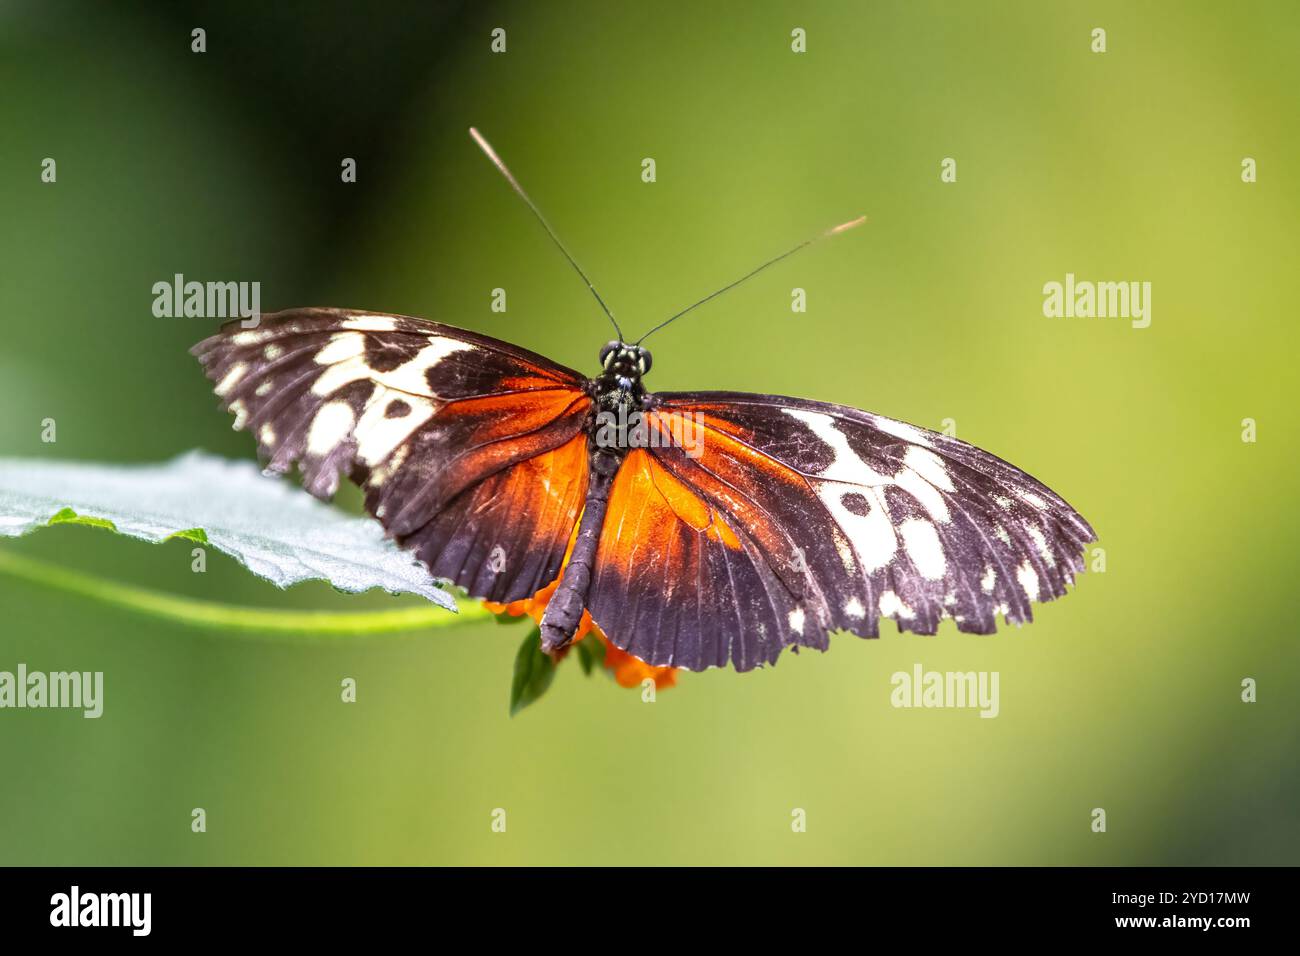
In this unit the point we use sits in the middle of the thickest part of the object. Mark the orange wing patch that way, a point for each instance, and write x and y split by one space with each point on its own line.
535 606
645 502
526 383
546 492
719 443
726 471
493 417
505 536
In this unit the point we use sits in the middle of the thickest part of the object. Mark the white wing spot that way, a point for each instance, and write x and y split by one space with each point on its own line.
345 356
989 580
272 352
1040 543
796 620
381 473
854 609
231 378
329 428
267 434
845 551
1028 579
342 346
1033 499
377 434
370 323
929 466
264 388
891 606
901 430
872 534
923 547
916 485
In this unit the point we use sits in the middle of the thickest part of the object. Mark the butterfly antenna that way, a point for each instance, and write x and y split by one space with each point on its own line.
833 231
484 145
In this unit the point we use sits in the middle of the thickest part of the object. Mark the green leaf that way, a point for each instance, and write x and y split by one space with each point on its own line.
275 530
591 653
68 516
534 671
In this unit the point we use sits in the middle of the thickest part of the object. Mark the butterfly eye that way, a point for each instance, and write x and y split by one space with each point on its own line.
607 353
644 360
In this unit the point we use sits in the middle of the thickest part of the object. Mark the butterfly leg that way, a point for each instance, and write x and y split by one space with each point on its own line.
564 610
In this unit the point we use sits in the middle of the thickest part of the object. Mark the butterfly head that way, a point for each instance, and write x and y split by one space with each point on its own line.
618 387
625 364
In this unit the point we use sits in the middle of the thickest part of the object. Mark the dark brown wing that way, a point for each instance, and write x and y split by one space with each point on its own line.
471 451
754 523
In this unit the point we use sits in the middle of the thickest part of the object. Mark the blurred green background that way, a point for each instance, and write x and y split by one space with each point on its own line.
1117 166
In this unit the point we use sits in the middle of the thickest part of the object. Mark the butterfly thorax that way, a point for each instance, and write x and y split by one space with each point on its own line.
618 395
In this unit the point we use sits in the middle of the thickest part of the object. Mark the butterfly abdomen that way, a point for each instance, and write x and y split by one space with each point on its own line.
564 612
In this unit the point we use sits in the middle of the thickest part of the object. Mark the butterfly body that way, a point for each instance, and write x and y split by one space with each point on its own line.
612 430
565 609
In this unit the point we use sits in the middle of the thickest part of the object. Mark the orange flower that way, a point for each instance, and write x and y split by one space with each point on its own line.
629 671
535 607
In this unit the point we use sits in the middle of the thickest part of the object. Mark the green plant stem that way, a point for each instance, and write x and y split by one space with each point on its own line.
210 614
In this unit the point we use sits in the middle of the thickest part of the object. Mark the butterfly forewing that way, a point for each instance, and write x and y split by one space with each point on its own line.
465 445
790 519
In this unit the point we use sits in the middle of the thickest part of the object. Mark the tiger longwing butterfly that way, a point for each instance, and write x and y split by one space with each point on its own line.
697 528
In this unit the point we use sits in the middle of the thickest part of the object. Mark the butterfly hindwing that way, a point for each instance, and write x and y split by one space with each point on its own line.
771 522
504 539
464 445
676 582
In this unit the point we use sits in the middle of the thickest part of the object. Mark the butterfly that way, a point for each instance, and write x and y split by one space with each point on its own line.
698 529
